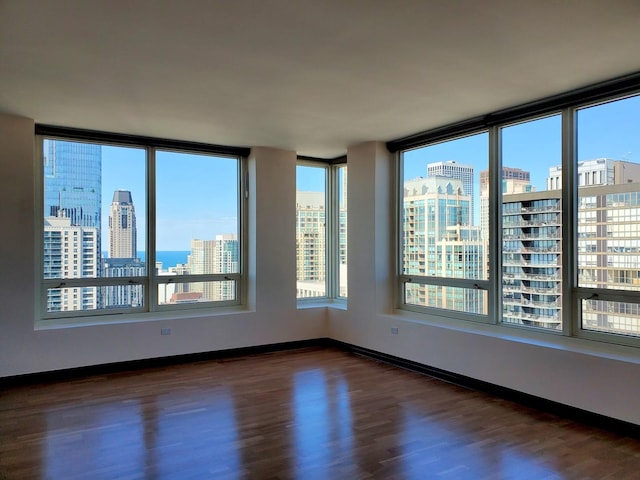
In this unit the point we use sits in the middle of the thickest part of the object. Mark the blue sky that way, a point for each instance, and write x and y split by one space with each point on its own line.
192 193
190 188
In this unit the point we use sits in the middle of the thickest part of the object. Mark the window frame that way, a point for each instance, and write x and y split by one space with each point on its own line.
567 105
404 279
332 230
151 281
578 293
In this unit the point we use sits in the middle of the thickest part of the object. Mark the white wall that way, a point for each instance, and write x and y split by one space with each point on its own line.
271 317
593 376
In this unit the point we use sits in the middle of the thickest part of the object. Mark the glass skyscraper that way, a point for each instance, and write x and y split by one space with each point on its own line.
73 181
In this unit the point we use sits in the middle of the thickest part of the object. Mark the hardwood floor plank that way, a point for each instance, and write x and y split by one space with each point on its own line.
313 413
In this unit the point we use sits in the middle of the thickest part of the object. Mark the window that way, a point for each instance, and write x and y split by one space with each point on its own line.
558 189
311 231
609 260
149 228
532 223
321 230
445 226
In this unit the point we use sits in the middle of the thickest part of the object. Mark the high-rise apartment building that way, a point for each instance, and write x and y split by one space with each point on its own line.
599 171
609 253
123 296
453 169
608 249
311 244
220 255
439 241
122 226
532 259
514 180
71 251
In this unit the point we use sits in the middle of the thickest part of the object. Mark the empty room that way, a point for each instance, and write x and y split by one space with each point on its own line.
354 239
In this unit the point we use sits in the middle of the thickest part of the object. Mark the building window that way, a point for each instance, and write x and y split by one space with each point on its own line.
445 226
183 247
321 230
608 261
311 231
532 223
560 193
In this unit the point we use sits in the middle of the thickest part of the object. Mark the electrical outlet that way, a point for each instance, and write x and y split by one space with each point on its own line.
165 331
394 330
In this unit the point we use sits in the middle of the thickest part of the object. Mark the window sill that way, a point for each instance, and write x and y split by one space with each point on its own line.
115 319
339 304
552 339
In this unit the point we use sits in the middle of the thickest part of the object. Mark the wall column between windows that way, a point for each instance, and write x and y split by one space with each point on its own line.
271 270
370 234
17 248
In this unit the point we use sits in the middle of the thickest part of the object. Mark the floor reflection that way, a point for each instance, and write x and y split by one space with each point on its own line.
322 426
79 439
154 438
198 437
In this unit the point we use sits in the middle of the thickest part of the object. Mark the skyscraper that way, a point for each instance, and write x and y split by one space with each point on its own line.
214 256
73 181
598 171
70 251
123 261
532 259
452 169
310 244
514 180
122 226
439 241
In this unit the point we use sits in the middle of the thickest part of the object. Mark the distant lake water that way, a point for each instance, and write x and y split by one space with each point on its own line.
169 258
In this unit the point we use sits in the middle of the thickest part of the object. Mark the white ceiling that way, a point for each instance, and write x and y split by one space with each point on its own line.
313 76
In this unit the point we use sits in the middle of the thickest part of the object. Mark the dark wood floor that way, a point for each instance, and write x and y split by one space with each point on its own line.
303 414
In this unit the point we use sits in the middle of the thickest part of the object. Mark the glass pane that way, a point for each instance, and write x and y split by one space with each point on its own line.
94 298
445 232
311 231
611 317
469 300
342 227
197 218
196 292
94 218
609 210
532 223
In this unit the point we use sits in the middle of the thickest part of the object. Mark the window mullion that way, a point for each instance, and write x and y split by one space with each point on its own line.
151 295
494 243
332 232
570 310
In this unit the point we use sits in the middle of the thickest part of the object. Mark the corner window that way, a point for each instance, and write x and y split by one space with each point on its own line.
321 231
